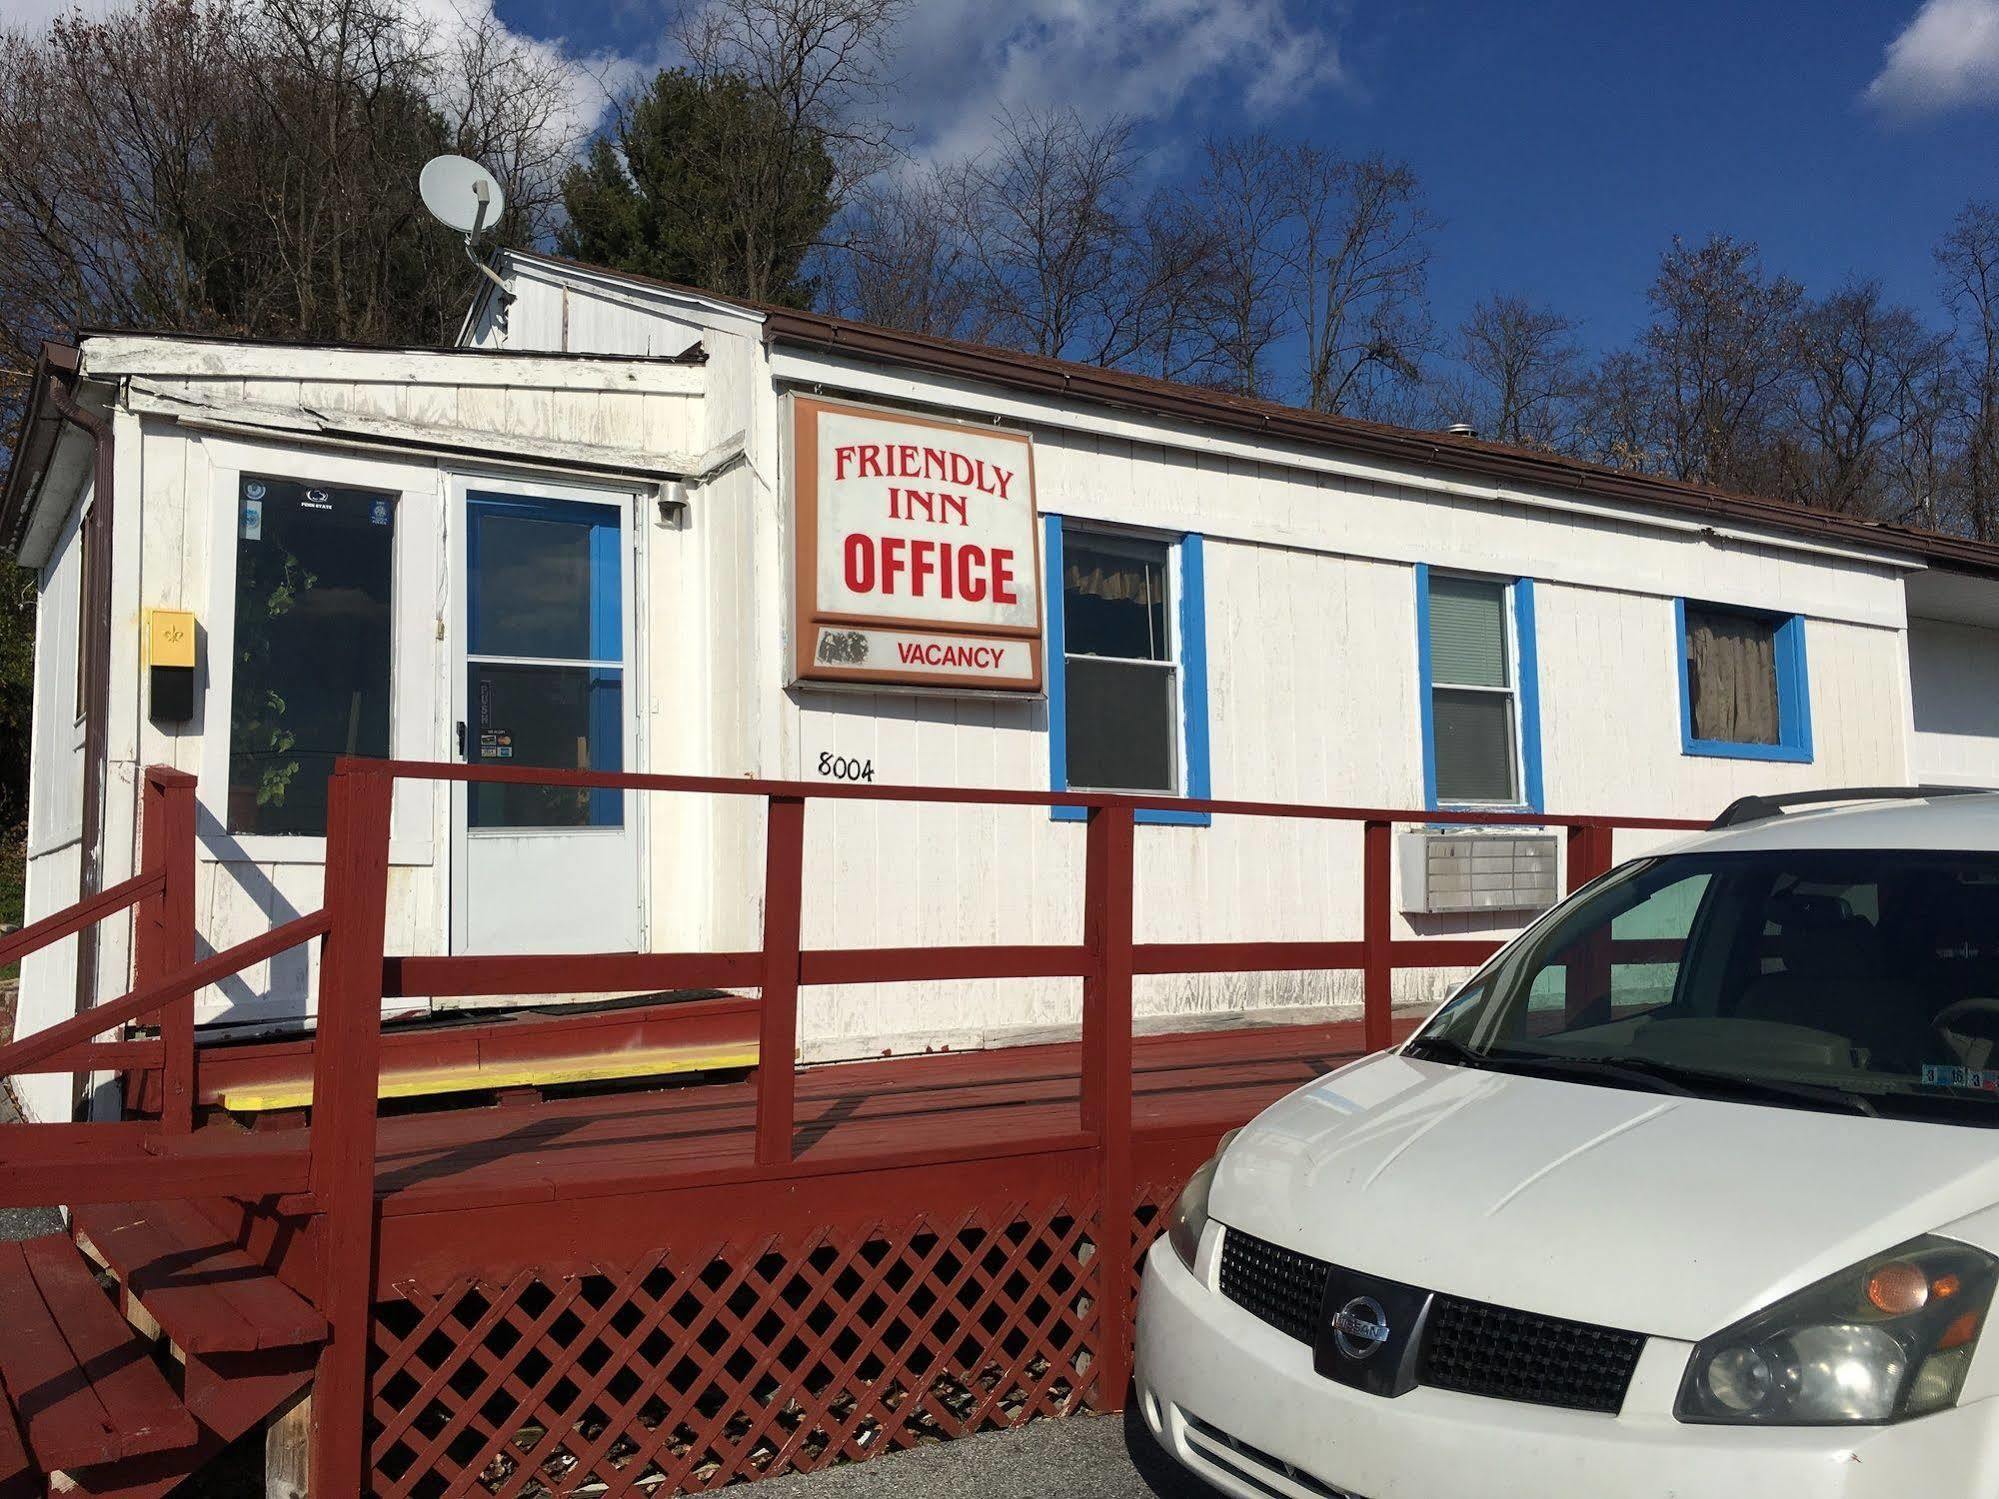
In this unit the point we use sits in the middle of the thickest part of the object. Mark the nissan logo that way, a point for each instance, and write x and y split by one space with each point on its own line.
1360 1327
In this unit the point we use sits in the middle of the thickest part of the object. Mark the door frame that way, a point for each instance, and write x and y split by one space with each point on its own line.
454 630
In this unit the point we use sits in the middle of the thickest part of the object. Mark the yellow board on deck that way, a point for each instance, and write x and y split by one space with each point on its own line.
474 1077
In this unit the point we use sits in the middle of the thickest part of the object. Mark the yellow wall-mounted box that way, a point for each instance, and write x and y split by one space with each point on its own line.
171 641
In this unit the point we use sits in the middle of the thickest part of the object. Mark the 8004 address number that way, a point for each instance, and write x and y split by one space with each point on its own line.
842 768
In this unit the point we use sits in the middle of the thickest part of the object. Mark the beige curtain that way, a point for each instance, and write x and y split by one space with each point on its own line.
1114 584
1732 678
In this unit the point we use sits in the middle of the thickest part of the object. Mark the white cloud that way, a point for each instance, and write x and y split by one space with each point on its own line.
961 62
1947 56
592 79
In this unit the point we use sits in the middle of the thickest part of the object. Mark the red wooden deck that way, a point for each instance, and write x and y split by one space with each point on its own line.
957 1106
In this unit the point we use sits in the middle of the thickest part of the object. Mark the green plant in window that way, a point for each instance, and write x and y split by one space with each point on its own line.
258 728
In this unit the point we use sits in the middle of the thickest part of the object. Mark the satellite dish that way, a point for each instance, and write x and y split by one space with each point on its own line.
461 194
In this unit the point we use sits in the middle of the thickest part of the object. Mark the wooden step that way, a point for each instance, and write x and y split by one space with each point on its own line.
82 1384
18 1478
206 1294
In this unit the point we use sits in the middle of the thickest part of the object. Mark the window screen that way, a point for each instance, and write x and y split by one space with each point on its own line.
1732 677
310 677
1472 708
1122 677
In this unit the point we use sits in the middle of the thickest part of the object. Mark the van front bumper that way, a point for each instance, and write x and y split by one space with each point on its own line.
1238 1403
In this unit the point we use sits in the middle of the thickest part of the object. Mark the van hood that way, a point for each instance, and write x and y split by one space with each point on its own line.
1669 1216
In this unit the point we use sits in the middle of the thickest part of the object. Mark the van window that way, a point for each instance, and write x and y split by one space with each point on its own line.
1858 979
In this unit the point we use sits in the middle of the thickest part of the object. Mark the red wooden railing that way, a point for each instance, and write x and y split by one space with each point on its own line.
333 1175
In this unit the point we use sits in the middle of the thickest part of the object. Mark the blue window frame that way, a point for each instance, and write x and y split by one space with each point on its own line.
1181 651
1762 642
1479 691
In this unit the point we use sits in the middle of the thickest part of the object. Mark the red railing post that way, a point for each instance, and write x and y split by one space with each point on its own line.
777 1008
345 1062
163 931
1377 974
1589 852
1107 1082
1588 963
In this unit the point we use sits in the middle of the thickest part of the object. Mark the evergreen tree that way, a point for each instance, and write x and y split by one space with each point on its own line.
707 185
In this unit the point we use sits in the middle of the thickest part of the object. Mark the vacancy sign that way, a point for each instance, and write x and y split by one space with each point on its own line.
918 560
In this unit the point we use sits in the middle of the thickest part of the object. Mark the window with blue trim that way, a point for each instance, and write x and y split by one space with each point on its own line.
1127 665
1744 692
1480 691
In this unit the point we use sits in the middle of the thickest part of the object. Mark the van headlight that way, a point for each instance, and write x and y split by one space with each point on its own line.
1888 1339
1190 1210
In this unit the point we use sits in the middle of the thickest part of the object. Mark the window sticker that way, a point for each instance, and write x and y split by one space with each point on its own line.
380 513
1981 1079
253 517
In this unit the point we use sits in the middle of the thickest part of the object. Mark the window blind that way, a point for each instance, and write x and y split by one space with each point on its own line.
1472 712
1468 633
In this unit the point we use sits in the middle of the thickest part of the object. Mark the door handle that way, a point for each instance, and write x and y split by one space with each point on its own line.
461 739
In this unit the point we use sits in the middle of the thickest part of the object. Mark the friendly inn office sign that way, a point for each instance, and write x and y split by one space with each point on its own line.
918 550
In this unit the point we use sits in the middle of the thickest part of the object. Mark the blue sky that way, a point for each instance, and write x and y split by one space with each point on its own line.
1562 143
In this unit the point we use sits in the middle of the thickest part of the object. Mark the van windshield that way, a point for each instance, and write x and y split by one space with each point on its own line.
1862 981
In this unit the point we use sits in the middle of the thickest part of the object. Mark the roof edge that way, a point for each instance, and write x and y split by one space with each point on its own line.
41 425
1081 382
1039 374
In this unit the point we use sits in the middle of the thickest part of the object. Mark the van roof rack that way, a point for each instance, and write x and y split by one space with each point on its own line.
1756 808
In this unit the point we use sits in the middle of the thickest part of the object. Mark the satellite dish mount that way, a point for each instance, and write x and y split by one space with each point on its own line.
463 195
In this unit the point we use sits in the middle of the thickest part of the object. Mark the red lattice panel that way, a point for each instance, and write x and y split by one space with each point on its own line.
689 1371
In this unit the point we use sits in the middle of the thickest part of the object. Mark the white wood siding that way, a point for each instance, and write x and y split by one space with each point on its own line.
55 808
176 517
1311 643
1954 691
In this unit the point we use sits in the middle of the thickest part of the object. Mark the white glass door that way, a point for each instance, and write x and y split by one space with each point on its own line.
544 679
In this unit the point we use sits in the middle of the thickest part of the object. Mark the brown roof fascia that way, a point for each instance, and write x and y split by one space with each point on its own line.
1193 403
41 425
1267 419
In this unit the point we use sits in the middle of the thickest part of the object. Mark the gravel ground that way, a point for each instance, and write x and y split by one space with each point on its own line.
23 1223
1084 1457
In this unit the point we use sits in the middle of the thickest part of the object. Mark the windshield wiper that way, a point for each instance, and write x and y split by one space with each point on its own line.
1444 1049
1653 1076
1694 1080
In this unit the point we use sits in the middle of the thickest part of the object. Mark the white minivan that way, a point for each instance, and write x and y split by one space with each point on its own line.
1693 1191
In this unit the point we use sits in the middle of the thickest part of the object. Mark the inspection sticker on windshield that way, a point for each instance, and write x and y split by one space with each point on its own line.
1983 1079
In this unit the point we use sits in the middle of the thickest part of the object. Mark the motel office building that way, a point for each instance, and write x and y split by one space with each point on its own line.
625 525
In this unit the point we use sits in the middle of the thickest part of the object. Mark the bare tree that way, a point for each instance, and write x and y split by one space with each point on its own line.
1362 267
1526 371
822 64
1045 215
1720 345
905 266
1174 258
1968 260
1617 420
206 164
1245 197
1864 369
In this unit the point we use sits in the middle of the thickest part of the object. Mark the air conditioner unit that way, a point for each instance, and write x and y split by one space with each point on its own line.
1478 871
